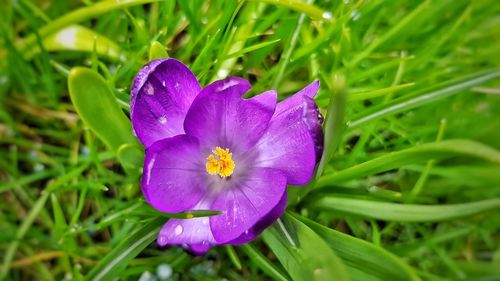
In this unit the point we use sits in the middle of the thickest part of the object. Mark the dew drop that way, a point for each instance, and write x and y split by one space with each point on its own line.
222 73
177 86
164 271
327 16
150 90
246 232
162 119
164 83
355 15
162 240
178 230
204 221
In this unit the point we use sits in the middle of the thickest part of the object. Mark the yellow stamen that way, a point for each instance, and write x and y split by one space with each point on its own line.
221 164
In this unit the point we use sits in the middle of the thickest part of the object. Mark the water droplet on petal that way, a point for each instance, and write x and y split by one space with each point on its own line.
246 232
162 240
162 119
205 221
177 86
164 83
178 230
149 89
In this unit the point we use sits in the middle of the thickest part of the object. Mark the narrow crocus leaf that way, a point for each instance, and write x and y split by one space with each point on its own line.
157 51
115 261
302 252
96 105
422 153
79 38
401 212
360 255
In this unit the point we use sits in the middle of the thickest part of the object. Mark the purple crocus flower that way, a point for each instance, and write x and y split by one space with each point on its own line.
213 149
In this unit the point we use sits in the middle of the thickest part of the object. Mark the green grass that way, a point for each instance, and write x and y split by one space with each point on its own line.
409 186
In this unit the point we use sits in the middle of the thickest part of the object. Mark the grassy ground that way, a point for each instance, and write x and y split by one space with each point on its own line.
412 186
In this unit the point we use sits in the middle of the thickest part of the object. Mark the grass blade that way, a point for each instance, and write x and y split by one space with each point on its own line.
401 212
403 105
300 258
418 154
114 262
362 255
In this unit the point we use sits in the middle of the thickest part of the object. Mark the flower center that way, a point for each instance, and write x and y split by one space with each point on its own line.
220 162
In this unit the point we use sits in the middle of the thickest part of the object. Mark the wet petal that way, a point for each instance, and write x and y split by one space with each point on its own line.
262 224
219 116
294 140
174 177
161 95
246 203
195 233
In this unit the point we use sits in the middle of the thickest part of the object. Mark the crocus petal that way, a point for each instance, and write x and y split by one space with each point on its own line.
195 233
174 174
262 224
219 116
246 202
294 137
161 95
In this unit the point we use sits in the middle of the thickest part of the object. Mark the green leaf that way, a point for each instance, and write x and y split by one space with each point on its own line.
96 105
401 212
79 38
76 16
131 157
422 153
302 252
334 124
363 256
114 262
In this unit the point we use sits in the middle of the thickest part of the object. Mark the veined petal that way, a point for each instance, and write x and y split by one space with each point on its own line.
219 116
246 203
262 224
161 95
174 179
293 141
